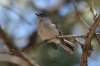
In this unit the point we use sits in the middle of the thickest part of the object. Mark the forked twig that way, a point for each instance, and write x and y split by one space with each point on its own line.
87 47
82 19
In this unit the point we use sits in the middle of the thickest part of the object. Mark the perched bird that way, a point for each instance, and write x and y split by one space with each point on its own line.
49 32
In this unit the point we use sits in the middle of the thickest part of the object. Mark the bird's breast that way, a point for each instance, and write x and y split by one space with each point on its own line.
47 32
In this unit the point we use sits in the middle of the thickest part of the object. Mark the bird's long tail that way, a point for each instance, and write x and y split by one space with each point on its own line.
68 46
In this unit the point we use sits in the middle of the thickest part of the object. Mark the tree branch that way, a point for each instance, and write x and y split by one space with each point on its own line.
77 36
13 50
82 19
87 47
14 59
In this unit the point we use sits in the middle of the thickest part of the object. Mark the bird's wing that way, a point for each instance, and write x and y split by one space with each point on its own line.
53 45
60 33
67 45
55 26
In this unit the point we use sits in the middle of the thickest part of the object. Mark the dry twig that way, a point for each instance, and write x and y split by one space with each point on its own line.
14 51
87 48
83 20
77 36
13 59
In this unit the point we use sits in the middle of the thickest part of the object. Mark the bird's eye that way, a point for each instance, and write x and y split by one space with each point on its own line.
44 16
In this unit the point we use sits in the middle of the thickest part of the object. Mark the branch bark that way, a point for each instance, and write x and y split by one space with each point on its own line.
87 47
83 20
13 59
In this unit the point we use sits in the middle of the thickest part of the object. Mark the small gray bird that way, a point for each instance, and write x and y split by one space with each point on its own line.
49 32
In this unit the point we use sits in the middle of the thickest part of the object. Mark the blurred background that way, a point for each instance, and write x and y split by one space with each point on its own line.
18 20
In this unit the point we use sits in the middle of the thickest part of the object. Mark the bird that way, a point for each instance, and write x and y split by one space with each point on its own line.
49 33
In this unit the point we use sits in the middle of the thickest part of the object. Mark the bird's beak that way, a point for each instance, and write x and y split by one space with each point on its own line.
37 14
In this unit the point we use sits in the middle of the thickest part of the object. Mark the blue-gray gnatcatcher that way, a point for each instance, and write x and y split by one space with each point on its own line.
49 32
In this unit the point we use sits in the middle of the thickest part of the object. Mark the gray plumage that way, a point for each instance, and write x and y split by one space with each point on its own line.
49 32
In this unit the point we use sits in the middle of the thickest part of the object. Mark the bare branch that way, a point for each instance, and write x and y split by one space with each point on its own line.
71 36
76 36
83 20
87 48
80 17
13 50
92 9
13 59
90 3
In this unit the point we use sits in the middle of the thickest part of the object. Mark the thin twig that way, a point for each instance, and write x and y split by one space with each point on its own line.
71 36
90 3
80 17
97 38
76 36
83 20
